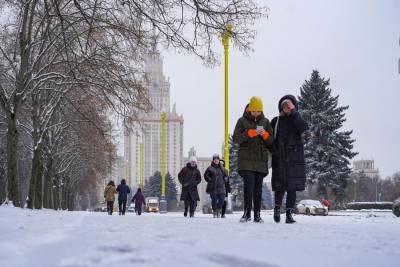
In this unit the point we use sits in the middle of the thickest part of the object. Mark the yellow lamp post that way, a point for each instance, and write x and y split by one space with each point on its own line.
163 201
225 41
141 166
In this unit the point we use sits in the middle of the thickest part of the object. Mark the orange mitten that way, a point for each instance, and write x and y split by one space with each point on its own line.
265 135
252 133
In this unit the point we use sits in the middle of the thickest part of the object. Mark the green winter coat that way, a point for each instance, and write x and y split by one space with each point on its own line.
253 152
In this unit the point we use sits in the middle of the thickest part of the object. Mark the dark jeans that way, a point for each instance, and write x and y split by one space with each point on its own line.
138 210
110 206
122 206
224 208
252 189
217 200
290 198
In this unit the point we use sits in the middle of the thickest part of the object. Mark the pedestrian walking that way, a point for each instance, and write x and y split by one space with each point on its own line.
189 177
227 187
123 191
214 176
253 133
109 195
288 163
139 201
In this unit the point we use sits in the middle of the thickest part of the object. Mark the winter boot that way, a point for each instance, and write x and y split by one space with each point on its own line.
185 213
222 215
289 217
246 217
257 217
191 215
218 213
277 214
214 213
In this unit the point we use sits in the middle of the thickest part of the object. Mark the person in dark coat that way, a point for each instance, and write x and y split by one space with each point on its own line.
189 177
214 176
288 163
227 187
139 200
123 191
253 133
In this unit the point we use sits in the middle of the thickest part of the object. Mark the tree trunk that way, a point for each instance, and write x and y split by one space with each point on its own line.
12 160
3 186
48 187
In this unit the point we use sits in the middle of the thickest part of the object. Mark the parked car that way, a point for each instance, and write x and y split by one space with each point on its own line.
152 204
311 207
396 207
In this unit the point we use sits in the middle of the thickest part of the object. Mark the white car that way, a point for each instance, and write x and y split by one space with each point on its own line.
311 207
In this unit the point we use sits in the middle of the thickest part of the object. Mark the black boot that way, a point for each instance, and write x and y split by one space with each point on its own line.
277 214
289 217
246 217
191 214
257 217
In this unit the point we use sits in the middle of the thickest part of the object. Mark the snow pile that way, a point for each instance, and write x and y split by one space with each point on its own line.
66 239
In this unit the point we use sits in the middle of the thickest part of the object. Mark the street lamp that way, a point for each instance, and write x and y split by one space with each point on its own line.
225 42
163 201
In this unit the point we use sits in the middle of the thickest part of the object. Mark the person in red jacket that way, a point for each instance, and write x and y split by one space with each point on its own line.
139 200
325 202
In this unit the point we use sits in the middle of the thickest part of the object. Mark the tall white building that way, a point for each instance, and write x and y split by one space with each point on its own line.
149 131
367 167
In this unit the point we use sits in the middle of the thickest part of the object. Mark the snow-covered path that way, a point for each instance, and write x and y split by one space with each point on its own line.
50 238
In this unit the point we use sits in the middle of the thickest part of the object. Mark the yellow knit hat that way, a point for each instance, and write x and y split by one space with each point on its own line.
255 104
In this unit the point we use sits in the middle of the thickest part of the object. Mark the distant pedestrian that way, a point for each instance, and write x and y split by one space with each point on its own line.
325 202
189 177
109 195
139 200
288 163
214 176
123 191
253 133
227 187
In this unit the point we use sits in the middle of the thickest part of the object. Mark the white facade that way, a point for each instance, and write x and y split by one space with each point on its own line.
367 167
149 131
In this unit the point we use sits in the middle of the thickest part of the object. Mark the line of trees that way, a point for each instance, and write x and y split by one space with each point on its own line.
68 68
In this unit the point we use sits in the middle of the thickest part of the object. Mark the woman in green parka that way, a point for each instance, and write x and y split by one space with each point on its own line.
253 133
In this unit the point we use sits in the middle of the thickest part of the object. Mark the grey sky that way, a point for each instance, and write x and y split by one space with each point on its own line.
355 43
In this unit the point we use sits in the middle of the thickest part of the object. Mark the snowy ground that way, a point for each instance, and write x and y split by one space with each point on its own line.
51 238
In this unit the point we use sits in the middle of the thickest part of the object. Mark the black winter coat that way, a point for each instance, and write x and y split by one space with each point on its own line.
214 176
123 191
189 177
227 182
288 163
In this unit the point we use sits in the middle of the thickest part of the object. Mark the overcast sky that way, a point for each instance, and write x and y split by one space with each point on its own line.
354 43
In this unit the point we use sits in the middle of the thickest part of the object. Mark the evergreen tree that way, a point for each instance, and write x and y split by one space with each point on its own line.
235 180
152 187
327 149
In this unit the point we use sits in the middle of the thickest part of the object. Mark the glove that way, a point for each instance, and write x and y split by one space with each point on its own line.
265 135
252 133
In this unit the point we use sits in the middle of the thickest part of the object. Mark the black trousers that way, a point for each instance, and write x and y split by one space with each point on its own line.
190 205
252 190
290 198
110 206
122 206
224 207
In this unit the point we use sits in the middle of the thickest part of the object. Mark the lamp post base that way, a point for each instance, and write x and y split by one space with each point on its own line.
163 205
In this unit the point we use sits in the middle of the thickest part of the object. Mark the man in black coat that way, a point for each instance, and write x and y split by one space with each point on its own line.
288 163
189 177
123 191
